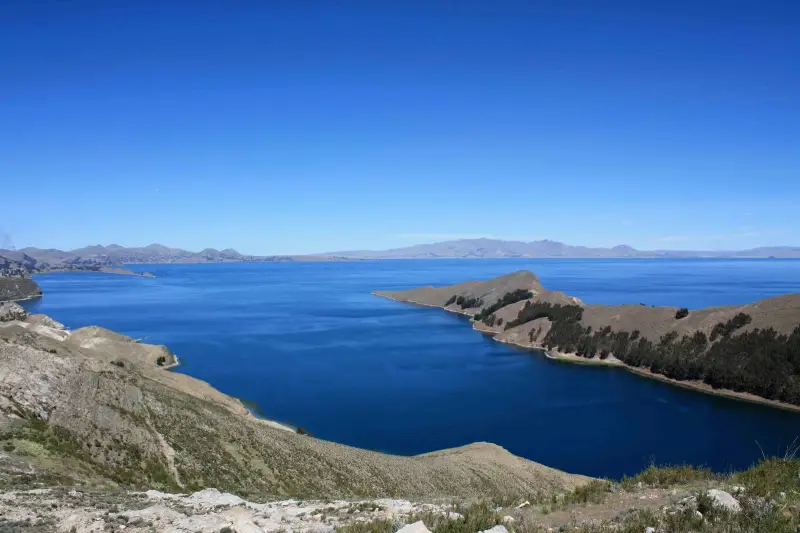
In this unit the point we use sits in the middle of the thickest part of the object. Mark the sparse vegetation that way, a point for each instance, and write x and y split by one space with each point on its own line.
477 517
760 361
726 328
508 298
468 302
161 360
593 492
557 313
682 313
667 476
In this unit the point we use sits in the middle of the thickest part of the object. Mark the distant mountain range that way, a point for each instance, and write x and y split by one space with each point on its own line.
494 248
28 261
98 256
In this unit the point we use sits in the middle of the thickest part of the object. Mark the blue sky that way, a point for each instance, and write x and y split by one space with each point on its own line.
310 126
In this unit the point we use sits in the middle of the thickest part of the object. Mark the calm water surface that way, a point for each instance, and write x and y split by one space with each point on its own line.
313 348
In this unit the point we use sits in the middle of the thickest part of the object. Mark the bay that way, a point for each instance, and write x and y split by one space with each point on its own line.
312 347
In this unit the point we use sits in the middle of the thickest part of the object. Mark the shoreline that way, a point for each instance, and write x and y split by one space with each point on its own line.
23 299
560 357
247 405
110 270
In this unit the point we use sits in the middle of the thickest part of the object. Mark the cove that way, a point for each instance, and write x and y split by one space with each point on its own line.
312 347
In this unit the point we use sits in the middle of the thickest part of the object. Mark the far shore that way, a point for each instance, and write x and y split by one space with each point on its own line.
114 270
560 357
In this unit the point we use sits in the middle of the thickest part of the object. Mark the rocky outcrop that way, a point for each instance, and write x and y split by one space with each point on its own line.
45 321
10 311
13 289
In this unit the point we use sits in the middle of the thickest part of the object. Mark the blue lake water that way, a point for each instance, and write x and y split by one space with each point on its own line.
313 348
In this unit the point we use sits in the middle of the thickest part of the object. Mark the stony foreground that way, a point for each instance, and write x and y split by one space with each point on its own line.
209 510
657 501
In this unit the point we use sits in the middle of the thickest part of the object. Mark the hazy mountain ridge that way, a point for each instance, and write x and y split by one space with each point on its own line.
496 248
113 255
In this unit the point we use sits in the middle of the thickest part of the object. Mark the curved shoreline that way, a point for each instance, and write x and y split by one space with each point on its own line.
23 299
560 357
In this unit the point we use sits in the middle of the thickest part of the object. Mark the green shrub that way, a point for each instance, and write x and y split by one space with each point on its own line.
667 476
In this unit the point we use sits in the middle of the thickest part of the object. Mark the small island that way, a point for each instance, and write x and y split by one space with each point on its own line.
749 352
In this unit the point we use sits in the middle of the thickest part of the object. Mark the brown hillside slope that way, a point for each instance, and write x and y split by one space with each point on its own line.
94 409
781 313
489 291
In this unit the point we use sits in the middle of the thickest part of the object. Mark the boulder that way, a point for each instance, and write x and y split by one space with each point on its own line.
10 311
213 498
416 527
496 529
722 499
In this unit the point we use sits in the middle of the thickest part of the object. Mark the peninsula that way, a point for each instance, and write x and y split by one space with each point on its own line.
750 352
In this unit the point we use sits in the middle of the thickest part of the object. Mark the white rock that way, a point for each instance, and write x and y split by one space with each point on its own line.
649 530
416 527
698 514
737 489
507 519
496 529
720 498
213 497
158 495
523 504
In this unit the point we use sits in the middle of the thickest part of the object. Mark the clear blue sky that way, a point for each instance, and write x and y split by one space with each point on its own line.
310 126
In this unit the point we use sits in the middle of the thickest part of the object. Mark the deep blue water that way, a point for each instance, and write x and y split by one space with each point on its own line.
312 347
